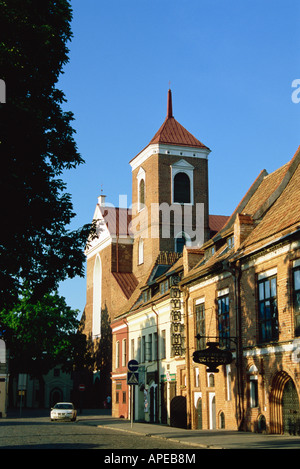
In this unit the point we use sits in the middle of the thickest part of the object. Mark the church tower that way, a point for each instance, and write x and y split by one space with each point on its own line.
169 194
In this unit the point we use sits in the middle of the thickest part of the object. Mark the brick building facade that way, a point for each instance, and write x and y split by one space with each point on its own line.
246 284
173 277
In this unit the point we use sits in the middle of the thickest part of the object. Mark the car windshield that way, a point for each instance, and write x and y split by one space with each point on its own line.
63 406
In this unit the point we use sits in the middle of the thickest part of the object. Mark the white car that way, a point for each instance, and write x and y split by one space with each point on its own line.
63 411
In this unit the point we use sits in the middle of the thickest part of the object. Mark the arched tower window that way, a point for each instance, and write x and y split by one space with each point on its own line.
182 188
180 243
97 294
182 176
142 192
182 239
141 188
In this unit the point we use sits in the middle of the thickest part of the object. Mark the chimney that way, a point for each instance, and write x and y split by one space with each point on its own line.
101 200
243 226
191 257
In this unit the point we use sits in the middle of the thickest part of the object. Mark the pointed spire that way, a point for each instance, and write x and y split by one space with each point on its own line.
170 107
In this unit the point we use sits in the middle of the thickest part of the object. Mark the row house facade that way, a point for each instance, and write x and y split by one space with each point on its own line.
186 282
245 292
241 289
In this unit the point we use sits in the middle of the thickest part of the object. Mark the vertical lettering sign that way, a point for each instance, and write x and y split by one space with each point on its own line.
177 328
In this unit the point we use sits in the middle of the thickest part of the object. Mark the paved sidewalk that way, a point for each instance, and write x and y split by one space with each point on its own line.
205 439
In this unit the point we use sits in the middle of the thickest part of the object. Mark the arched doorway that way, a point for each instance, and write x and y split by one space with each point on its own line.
199 413
284 405
290 409
56 395
178 412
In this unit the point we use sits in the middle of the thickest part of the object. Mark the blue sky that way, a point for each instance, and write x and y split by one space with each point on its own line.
231 65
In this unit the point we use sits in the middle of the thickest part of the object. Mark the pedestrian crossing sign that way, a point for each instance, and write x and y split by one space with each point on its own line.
132 378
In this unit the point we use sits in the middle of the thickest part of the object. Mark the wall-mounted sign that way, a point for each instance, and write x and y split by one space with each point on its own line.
177 327
212 357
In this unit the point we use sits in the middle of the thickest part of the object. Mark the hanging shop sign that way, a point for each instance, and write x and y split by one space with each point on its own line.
212 357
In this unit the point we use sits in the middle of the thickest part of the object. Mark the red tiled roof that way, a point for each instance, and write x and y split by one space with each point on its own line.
127 282
285 211
216 222
173 133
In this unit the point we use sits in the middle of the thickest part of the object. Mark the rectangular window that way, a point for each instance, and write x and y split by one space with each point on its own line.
117 354
155 346
149 348
223 320
296 299
124 352
141 252
139 350
253 392
228 382
124 397
147 295
143 349
267 309
197 378
163 344
200 325
164 286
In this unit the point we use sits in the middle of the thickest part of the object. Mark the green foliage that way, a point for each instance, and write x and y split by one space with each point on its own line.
41 335
37 144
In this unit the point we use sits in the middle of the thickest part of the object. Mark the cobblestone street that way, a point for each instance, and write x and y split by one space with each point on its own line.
98 430
40 433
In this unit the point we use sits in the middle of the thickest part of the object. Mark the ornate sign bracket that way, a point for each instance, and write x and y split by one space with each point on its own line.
199 336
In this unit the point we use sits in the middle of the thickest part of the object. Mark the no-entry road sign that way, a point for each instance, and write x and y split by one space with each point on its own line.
133 365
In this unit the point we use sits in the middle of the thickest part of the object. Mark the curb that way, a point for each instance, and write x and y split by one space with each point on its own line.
152 435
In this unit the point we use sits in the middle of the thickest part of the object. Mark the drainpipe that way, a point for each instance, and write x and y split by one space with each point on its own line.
157 360
239 343
127 355
236 273
186 293
127 346
117 253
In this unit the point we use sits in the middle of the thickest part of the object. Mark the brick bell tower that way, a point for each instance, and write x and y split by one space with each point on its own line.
169 194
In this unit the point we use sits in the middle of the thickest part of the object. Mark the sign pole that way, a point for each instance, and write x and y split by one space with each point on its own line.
131 406
132 380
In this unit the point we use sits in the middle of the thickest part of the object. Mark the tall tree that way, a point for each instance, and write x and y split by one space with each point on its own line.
37 144
40 336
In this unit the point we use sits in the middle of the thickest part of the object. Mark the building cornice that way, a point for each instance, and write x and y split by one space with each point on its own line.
174 150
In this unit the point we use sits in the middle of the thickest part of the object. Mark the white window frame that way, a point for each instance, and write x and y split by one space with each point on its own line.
141 175
141 251
183 166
